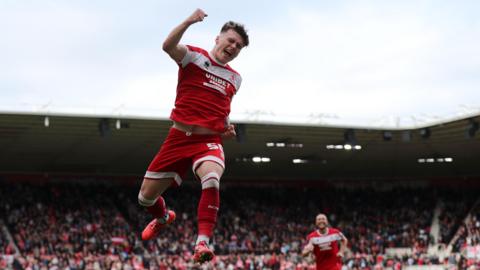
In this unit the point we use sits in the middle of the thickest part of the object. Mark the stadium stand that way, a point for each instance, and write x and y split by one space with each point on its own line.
95 225
74 206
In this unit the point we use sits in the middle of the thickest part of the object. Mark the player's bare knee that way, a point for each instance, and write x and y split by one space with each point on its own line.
152 189
207 167
144 201
210 180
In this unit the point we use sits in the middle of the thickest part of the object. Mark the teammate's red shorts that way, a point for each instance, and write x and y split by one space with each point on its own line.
180 150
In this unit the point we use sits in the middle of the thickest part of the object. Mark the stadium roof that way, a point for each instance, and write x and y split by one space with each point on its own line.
381 121
109 145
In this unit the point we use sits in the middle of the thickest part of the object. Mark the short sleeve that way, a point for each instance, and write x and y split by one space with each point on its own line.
188 58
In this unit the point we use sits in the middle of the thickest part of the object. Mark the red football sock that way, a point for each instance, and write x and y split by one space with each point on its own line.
158 209
207 211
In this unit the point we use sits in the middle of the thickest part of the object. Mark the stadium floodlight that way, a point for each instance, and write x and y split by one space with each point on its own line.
299 160
295 145
280 144
119 124
284 143
46 121
265 159
346 147
257 159
435 160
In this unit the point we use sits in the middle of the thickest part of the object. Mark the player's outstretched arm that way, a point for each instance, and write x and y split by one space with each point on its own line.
307 249
172 45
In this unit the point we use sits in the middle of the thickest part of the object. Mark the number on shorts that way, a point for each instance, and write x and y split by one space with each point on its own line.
214 146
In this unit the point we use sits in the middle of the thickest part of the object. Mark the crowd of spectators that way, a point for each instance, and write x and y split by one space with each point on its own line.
467 238
454 211
473 227
97 226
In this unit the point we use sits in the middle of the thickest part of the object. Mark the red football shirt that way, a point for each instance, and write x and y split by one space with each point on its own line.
326 248
205 90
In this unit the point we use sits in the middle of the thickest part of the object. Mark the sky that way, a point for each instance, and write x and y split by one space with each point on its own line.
397 64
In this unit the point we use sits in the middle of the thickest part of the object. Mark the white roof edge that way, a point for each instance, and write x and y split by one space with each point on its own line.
246 120
88 115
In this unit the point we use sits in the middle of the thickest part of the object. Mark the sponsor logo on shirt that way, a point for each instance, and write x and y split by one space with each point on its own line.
327 239
216 83
325 246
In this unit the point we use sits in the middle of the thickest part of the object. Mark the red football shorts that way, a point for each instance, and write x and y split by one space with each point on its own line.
180 150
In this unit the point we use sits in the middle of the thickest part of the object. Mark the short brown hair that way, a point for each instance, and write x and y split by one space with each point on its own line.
237 27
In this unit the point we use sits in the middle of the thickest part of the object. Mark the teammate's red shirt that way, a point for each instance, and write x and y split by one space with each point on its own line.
205 90
326 248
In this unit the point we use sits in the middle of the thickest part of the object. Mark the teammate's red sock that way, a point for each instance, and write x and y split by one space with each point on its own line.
207 211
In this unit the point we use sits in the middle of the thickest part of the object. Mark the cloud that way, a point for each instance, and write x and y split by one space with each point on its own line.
353 59
359 60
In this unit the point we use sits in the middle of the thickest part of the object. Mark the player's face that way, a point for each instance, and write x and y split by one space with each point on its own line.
321 221
227 46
